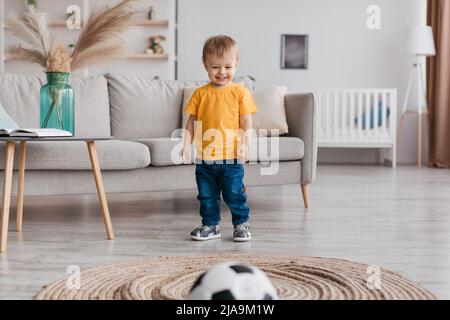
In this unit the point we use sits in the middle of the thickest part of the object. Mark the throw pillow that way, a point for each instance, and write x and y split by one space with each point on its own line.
6 122
271 114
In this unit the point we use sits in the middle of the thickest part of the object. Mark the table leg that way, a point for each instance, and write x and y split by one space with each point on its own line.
100 188
21 183
7 181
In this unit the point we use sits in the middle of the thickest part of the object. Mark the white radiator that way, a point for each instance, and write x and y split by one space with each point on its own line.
357 118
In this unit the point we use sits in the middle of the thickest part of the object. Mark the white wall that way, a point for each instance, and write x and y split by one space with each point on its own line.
343 53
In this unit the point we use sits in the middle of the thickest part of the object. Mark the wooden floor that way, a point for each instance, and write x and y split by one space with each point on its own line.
395 218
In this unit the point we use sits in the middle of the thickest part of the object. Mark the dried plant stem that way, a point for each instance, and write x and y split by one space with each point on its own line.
55 94
102 38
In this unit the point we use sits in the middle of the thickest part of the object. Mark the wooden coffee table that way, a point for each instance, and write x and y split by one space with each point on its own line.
7 181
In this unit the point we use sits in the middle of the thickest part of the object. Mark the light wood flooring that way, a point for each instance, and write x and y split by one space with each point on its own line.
395 218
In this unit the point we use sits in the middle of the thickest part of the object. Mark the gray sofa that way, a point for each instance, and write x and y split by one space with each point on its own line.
143 115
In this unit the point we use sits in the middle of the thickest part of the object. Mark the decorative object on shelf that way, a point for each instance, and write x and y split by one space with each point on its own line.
419 43
151 11
294 51
102 39
31 3
155 45
71 47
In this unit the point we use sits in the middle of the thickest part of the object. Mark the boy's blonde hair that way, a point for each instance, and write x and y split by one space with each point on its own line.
218 45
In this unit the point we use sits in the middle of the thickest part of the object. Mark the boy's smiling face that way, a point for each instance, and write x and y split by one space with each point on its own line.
221 69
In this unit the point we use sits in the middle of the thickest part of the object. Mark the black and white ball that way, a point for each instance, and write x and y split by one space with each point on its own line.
233 281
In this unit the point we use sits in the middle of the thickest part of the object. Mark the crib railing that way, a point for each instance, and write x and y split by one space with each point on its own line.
357 118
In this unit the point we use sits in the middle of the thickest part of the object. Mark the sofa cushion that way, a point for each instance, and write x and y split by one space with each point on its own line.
167 151
143 107
187 94
148 108
73 155
264 149
19 96
91 106
164 151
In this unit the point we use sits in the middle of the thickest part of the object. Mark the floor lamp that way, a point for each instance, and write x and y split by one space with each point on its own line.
420 43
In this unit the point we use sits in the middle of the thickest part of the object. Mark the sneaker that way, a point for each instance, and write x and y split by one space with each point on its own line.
206 233
242 233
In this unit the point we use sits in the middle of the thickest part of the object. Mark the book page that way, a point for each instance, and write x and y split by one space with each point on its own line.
48 132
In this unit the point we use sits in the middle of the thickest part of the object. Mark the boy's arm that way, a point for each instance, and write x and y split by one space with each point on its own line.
189 130
188 137
245 123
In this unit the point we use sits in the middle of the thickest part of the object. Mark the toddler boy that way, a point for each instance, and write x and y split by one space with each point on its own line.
221 112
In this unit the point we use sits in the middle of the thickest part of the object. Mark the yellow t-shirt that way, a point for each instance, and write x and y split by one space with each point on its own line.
217 110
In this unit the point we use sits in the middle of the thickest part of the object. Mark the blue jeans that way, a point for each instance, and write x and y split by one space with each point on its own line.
213 177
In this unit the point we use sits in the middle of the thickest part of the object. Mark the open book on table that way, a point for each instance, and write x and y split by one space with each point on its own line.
34 133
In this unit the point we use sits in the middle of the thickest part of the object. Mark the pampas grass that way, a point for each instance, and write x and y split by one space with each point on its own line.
101 39
32 28
59 60
103 36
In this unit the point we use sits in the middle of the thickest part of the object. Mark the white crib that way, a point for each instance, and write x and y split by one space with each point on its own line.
357 118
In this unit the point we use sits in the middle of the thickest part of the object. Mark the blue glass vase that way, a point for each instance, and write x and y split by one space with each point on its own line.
57 103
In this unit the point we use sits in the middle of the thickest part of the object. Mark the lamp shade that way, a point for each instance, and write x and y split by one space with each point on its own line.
420 41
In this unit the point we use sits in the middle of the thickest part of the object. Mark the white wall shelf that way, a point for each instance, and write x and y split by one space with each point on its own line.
146 56
60 24
10 56
163 65
138 23
152 23
53 24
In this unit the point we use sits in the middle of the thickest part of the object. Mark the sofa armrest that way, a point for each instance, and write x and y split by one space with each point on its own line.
301 117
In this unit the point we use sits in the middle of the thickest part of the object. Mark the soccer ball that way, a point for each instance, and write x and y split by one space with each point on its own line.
232 281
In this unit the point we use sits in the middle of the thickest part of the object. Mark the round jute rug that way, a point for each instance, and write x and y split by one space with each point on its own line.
294 278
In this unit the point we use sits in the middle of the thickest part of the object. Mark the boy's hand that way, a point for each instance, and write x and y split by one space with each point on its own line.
244 153
245 123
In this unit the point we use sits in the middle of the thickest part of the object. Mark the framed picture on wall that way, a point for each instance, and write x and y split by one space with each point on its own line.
294 51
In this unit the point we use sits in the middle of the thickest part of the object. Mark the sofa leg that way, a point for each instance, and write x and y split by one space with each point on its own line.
305 193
